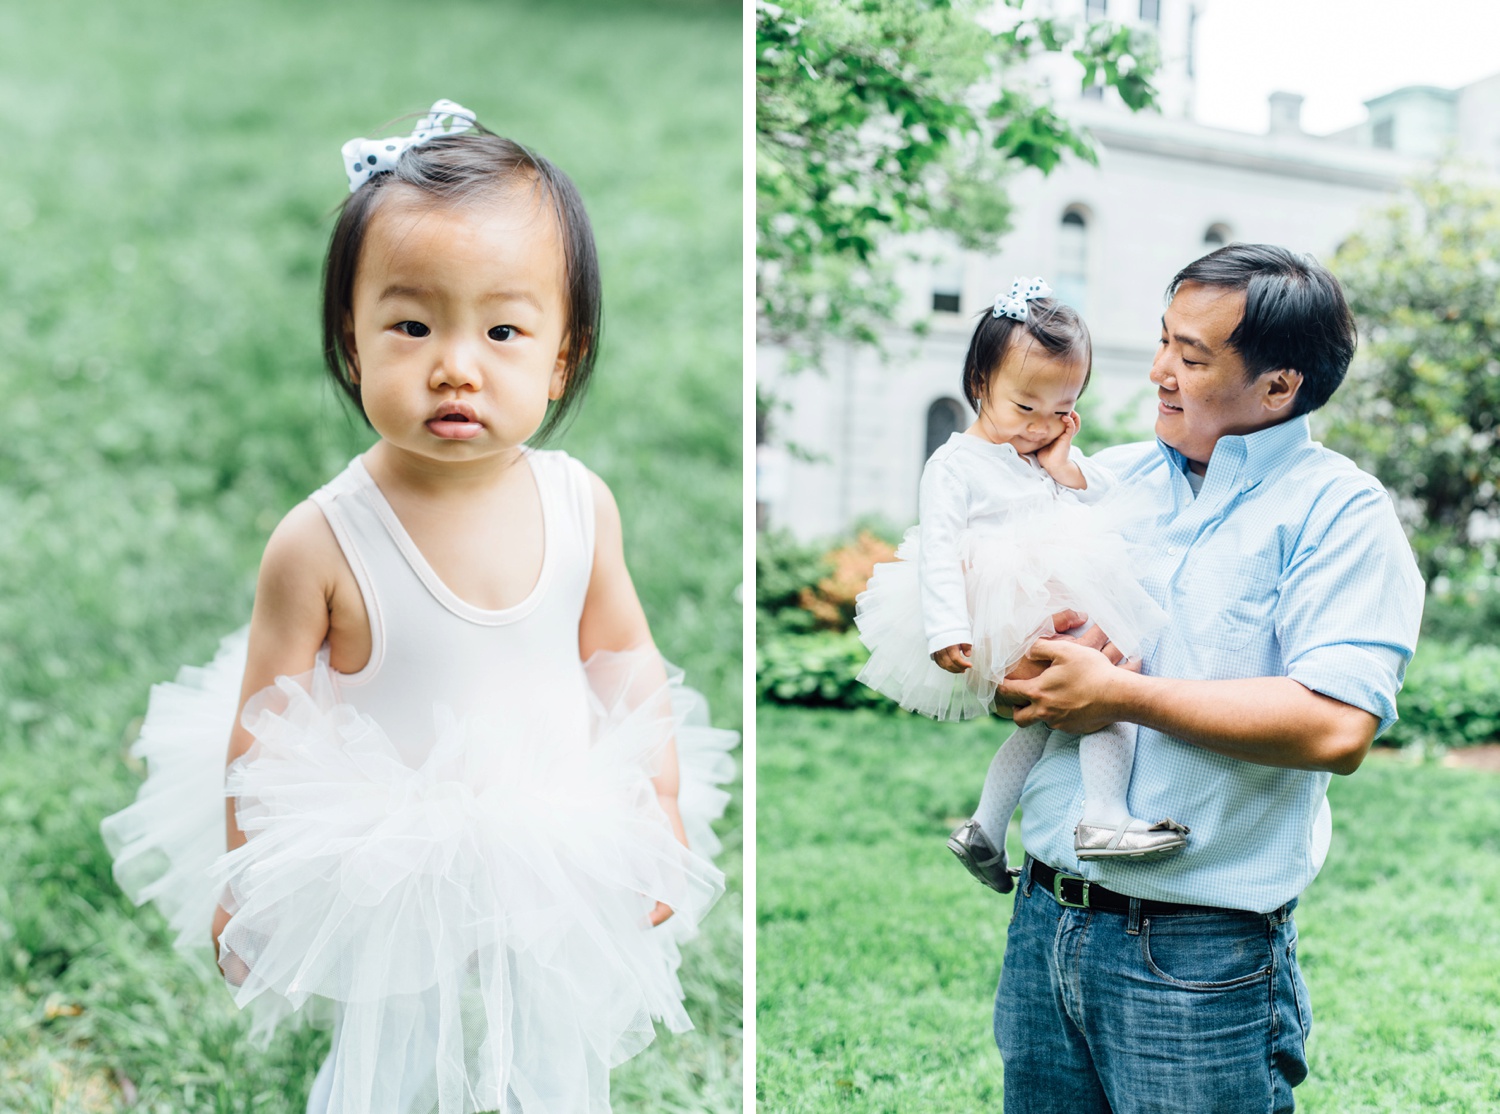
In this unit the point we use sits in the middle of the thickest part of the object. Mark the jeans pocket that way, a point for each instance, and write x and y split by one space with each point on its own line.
1299 988
1208 953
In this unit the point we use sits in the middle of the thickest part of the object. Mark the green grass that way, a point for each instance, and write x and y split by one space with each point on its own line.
164 204
877 955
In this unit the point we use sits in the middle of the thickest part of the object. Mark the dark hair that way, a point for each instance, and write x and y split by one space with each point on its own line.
1054 325
1295 315
452 169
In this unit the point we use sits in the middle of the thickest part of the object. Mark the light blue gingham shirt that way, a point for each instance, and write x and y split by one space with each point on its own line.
1290 562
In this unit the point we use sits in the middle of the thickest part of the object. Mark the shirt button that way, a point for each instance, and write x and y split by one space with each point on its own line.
1172 550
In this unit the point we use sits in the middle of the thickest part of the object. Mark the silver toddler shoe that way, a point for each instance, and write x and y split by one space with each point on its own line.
980 858
1134 839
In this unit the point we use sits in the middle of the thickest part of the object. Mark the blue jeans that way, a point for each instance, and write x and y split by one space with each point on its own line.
1115 1013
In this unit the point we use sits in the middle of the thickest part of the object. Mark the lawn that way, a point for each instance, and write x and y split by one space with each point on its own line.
877 955
165 199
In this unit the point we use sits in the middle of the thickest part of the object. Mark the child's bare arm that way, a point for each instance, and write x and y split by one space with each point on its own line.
288 625
613 619
1054 457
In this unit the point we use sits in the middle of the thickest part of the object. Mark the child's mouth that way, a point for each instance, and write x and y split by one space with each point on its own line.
456 423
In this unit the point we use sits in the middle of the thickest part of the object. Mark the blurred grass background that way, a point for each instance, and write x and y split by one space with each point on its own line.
165 200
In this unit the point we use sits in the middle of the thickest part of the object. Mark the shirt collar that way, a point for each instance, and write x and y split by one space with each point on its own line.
1252 456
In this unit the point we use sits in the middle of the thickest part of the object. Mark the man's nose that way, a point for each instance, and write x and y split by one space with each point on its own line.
1160 374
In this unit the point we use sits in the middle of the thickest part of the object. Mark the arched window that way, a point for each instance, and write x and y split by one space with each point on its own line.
1072 278
945 417
1217 236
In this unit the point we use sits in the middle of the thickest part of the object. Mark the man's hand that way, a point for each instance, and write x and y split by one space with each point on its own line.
1071 692
1029 667
955 659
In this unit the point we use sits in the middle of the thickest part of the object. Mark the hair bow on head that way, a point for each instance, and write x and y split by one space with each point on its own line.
365 158
1023 290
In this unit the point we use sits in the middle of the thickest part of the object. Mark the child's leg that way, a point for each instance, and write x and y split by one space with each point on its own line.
322 1089
1106 758
1107 830
1007 777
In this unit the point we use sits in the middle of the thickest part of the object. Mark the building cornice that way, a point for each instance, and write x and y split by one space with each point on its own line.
1295 156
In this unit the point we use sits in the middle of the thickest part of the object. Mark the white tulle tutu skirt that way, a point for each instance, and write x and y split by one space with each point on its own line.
1015 579
475 928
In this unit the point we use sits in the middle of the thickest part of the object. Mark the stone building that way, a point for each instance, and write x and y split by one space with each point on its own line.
1108 239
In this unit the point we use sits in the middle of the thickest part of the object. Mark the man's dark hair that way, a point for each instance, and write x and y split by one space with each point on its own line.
450 170
1295 315
1054 325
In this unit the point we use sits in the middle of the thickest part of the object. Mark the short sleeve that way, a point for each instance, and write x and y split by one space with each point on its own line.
1350 603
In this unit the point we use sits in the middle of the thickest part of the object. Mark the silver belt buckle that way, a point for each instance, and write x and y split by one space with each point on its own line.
1083 894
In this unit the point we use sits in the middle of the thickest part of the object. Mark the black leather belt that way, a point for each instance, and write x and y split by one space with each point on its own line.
1079 893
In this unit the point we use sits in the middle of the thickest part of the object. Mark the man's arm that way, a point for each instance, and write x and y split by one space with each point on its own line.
1271 721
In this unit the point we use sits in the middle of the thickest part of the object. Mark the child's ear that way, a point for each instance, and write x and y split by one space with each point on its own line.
559 381
353 353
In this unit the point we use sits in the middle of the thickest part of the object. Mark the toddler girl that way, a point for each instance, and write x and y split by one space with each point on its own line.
461 795
1012 531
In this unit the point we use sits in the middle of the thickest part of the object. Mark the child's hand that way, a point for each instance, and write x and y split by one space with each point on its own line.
955 659
234 968
1055 455
660 913
1055 460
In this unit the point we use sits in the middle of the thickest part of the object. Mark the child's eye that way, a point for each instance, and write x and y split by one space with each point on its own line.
502 332
412 328
1025 408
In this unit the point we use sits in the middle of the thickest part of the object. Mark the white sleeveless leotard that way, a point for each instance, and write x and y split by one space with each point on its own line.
423 638
451 852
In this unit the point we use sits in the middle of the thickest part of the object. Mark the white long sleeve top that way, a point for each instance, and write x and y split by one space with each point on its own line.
969 483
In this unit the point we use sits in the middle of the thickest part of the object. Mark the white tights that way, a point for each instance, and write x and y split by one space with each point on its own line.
1105 758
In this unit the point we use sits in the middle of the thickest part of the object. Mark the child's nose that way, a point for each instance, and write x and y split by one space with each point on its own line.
458 366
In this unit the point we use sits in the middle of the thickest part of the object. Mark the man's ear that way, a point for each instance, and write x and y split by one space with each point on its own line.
1279 389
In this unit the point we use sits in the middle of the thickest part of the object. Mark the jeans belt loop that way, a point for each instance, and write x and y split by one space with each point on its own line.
1058 881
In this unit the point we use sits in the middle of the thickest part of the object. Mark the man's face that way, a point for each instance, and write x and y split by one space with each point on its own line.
1202 390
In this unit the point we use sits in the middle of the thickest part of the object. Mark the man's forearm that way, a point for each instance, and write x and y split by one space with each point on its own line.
1271 721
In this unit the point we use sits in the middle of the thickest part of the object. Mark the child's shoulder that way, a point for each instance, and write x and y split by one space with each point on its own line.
302 552
585 486
945 452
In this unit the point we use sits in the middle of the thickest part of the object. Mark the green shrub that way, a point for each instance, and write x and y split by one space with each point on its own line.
1466 612
815 669
784 567
1451 697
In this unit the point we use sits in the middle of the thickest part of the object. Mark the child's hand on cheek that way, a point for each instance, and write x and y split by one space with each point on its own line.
1055 455
1055 459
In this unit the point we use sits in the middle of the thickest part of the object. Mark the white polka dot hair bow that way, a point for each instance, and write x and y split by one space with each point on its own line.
365 158
1023 290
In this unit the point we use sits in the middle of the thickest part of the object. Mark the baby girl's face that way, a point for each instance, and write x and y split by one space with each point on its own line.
1029 395
459 324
